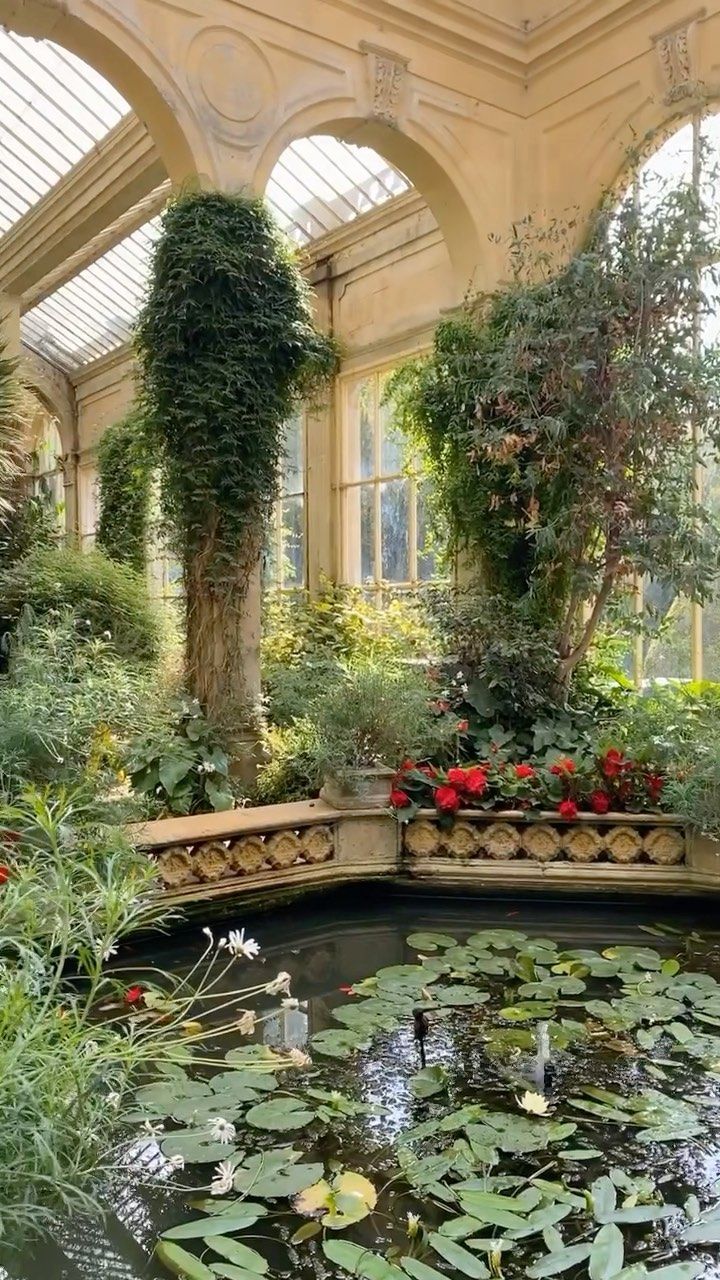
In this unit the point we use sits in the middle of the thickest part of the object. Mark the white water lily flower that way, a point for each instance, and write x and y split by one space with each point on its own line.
177 1162
279 985
300 1059
109 952
239 945
222 1179
536 1104
413 1225
222 1130
246 1024
290 1003
153 1130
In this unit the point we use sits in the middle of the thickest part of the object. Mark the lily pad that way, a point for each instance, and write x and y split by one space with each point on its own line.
430 941
429 1081
464 1262
280 1113
180 1262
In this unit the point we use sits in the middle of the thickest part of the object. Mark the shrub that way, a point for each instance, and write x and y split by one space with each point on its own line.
181 766
68 703
109 597
376 715
124 488
307 640
292 771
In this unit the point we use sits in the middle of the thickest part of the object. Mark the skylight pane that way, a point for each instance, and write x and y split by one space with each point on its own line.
55 109
320 182
95 312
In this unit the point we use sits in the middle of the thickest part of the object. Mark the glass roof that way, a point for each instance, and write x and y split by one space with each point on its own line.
317 185
54 109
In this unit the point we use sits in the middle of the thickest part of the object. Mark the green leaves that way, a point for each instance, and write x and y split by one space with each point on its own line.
239 1253
558 1261
231 1220
280 1113
430 941
360 1262
464 1262
182 1264
607 1254
275 1174
429 1081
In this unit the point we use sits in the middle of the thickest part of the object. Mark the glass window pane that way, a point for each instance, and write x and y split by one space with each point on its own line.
427 566
367 425
394 508
293 471
392 446
667 653
293 542
367 533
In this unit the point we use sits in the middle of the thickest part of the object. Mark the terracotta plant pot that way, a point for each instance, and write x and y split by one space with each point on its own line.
359 789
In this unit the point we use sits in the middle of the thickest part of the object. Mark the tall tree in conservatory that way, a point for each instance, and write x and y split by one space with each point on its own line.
227 350
12 433
556 413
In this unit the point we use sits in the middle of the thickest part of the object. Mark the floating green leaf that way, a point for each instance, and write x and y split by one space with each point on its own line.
607 1254
430 941
181 1263
360 1262
559 1260
238 1253
463 1261
429 1081
280 1113
233 1220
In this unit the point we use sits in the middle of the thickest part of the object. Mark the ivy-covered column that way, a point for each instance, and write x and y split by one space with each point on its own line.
228 349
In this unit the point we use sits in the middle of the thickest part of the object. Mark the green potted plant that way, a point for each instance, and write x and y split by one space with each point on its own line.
368 721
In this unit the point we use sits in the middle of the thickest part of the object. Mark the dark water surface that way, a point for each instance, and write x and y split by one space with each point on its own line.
329 943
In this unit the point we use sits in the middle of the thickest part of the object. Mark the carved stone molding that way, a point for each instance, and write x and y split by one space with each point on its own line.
623 842
676 56
234 83
387 72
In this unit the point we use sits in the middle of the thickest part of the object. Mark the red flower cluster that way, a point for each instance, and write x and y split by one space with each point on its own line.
134 995
4 875
611 782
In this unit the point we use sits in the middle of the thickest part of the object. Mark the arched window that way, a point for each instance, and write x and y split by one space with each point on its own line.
285 564
46 466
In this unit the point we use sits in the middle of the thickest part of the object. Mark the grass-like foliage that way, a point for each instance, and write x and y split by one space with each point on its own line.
111 598
227 349
69 705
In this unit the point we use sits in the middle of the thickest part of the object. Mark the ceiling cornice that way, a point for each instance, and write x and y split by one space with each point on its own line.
516 47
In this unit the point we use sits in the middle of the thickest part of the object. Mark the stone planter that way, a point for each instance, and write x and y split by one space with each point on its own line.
359 789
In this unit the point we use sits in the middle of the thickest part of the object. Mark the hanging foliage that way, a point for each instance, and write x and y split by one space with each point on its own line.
12 431
124 487
227 349
554 417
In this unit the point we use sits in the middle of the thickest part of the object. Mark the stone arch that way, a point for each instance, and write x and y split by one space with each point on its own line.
416 152
55 391
114 48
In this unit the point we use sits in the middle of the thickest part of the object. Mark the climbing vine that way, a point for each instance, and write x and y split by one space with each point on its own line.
227 349
124 483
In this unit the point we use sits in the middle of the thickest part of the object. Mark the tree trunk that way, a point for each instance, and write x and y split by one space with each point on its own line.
223 647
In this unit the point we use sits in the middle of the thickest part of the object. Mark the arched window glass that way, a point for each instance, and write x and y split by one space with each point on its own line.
47 466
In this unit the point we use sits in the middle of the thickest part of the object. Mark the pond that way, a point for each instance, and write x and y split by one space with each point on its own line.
589 1009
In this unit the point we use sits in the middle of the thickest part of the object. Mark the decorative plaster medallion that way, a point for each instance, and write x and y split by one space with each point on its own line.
233 75
388 78
675 55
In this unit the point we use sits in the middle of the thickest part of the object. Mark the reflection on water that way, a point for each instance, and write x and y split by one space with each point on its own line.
327 946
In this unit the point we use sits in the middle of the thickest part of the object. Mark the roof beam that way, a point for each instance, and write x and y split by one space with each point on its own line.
121 170
123 226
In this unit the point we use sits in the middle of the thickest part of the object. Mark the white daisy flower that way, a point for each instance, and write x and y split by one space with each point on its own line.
222 1179
279 985
300 1059
153 1130
222 1130
239 945
246 1023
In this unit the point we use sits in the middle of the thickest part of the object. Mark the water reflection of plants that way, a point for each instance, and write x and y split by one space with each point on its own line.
564 1151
